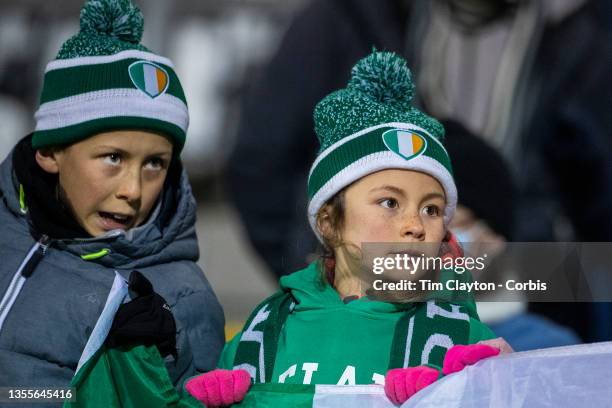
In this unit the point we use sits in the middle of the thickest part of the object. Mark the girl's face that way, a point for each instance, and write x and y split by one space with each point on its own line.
111 180
394 206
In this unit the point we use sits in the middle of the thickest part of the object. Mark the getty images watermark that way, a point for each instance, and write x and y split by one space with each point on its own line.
412 264
518 271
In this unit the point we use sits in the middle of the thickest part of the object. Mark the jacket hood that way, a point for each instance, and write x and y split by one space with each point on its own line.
146 245
311 292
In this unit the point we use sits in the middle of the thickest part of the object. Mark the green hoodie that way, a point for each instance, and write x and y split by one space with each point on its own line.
325 341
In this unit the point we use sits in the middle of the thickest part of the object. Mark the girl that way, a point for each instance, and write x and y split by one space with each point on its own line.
382 176
98 189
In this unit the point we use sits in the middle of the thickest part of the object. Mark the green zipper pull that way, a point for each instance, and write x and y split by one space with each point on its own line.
22 204
96 255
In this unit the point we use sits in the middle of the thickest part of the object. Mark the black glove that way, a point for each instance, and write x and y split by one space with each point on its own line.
145 320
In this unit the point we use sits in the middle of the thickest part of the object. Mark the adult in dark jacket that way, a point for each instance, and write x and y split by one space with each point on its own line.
98 188
545 108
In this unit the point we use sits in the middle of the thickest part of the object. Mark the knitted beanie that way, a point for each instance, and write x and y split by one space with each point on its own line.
370 126
103 79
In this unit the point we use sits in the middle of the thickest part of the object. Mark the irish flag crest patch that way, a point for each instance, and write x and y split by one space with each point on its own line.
405 143
150 78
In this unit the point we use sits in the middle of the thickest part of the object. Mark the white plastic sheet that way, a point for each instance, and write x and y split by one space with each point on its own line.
574 376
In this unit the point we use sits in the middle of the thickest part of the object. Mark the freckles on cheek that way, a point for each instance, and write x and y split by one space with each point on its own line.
375 228
435 232
380 231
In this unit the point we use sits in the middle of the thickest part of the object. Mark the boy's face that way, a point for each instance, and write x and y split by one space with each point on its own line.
111 180
395 206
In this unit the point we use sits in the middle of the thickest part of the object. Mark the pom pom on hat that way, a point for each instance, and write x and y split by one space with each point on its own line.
380 91
115 18
384 77
107 27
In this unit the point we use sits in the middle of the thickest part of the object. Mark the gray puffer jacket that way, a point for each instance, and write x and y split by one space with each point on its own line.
47 315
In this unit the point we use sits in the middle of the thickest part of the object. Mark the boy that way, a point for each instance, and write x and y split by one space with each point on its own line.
98 188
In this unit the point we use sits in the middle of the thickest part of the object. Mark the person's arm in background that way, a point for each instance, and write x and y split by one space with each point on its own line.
275 139
267 171
579 149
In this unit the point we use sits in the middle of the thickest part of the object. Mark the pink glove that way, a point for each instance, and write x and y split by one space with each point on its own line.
219 387
459 356
403 383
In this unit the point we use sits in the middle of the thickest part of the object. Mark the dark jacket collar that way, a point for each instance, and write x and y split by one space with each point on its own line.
47 213
167 237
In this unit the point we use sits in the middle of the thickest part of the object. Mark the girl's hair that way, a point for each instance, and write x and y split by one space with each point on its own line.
330 223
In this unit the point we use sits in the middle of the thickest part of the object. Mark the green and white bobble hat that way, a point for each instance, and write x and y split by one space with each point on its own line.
370 126
104 80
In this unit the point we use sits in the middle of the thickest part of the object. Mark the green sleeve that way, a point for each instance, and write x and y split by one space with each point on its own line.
229 352
479 331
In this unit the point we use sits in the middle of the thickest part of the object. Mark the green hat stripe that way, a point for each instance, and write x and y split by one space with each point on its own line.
65 82
392 144
356 148
74 133
138 78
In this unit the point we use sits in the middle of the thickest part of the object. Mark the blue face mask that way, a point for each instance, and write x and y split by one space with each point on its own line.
467 236
463 235
478 238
